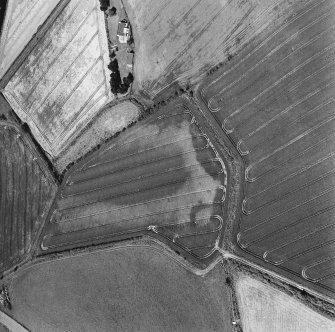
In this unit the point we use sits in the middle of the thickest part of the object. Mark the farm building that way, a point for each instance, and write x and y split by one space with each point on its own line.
130 59
123 31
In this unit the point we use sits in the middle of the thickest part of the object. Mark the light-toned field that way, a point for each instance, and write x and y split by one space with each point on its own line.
162 172
127 289
21 22
26 193
276 102
264 308
181 40
64 80
108 122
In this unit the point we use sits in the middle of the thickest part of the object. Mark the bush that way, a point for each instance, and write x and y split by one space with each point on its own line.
104 4
112 11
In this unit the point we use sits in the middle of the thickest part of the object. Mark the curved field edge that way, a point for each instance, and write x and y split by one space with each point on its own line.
149 265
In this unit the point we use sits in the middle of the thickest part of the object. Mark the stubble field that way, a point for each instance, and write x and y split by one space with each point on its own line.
276 102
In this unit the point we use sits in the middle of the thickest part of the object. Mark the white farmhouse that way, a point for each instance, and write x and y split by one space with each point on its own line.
123 31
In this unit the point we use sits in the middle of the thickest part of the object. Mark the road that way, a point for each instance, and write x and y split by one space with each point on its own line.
11 324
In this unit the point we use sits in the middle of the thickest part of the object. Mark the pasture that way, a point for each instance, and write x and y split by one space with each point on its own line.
264 308
134 288
63 80
275 101
109 121
161 177
180 41
26 193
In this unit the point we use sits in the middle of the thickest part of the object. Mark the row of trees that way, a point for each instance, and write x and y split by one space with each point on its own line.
117 84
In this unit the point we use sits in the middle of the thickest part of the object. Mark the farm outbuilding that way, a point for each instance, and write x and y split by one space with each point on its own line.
130 59
123 31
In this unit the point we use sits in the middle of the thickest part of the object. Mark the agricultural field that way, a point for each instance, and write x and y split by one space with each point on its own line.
180 41
63 81
162 177
8 324
26 193
131 288
275 101
3 328
263 308
5 109
21 22
109 121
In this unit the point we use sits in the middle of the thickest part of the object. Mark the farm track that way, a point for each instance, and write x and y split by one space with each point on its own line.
26 195
162 173
276 104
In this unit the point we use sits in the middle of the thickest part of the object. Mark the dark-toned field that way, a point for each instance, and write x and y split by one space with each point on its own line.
275 100
163 177
135 288
26 193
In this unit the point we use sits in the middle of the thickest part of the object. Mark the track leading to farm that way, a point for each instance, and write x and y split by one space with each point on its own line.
26 194
163 177
276 102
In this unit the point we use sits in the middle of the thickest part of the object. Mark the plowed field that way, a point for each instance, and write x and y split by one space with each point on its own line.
26 193
276 102
163 177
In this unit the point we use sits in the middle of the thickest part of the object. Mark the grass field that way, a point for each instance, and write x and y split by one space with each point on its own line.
162 172
26 193
63 81
125 289
107 123
181 40
276 102
264 308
